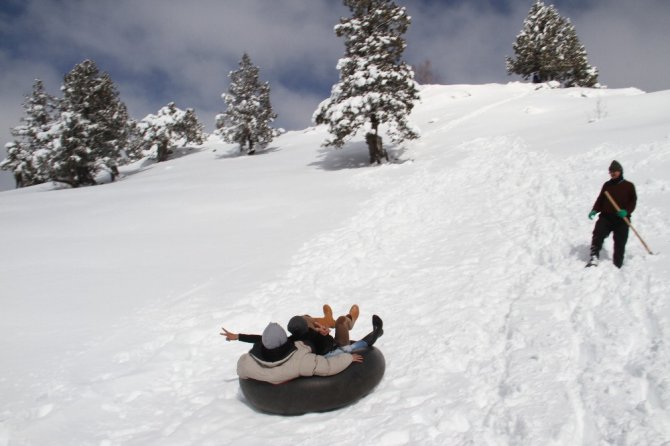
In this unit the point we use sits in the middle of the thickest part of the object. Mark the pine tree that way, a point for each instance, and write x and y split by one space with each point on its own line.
169 129
71 159
249 113
548 49
94 127
376 86
578 72
28 154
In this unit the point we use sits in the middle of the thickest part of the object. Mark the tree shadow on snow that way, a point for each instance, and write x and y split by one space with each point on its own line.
236 153
147 162
352 156
184 151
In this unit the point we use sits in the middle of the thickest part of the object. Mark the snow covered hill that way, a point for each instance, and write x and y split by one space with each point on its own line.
471 247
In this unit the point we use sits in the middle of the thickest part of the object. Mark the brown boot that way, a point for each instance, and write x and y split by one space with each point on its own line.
327 319
353 312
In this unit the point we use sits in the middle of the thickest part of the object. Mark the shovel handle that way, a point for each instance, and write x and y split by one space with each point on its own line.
627 220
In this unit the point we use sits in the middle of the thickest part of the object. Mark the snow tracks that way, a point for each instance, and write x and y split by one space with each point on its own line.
495 332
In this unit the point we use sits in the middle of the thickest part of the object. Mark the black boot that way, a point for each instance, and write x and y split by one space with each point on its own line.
377 331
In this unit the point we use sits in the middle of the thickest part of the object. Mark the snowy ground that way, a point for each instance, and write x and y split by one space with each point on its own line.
471 248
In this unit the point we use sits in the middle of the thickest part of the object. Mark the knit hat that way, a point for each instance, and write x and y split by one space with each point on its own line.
273 336
616 167
297 326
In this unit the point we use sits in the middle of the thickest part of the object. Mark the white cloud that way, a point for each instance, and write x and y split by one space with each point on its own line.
159 51
190 45
465 44
627 41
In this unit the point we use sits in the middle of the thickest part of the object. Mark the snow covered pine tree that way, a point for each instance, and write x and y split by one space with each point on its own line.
548 49
160 134
249 112
27 155
375 86
94 127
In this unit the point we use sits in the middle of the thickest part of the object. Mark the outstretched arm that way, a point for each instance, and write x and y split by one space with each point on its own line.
230 336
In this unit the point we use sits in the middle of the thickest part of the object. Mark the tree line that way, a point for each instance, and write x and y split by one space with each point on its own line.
88 133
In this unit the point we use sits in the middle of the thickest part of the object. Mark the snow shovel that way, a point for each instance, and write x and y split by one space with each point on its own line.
616 206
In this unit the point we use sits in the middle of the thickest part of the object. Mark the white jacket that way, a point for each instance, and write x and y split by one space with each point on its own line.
300 362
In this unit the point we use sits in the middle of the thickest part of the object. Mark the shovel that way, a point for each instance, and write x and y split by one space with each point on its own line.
627 220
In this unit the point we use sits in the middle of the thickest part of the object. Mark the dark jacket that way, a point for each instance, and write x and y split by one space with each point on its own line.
318 343
623 193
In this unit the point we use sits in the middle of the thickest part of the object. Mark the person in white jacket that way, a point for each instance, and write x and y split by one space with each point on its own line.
276 359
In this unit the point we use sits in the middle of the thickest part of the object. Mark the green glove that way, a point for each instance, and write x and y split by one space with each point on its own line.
592 214
622 213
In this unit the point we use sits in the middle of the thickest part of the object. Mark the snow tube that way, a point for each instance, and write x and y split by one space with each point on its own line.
317 393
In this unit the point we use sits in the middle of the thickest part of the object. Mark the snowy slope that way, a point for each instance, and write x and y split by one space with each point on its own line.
471 248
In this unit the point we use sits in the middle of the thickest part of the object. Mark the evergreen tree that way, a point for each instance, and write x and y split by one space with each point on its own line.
72 161
376 86
168 130
548 49
249 113
578 72
28 154
94 127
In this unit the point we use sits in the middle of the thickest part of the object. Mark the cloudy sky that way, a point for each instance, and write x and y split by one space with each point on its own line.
158 51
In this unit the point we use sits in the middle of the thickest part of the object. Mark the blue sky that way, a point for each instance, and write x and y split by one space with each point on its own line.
159 51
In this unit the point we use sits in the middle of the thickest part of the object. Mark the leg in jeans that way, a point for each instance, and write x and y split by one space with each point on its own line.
367 341
359 345
351 348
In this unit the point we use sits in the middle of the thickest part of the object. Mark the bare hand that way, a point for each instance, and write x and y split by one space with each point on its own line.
230 336
356 357
322 329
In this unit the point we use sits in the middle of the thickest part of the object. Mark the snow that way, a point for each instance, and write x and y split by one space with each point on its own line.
471 247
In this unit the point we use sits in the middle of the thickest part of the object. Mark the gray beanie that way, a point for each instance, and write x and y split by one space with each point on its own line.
273 336
297 326
616 167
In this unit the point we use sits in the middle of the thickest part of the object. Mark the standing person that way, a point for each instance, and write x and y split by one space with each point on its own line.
611 220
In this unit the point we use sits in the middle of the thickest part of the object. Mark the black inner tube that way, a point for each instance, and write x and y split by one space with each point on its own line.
317 393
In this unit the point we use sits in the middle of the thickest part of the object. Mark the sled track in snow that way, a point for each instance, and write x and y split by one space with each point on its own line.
474 247
478 112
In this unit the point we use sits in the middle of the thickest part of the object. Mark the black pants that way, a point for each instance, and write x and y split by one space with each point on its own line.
610 223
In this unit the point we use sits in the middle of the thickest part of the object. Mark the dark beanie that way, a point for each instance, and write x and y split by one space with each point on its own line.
616 167
297 326
273 336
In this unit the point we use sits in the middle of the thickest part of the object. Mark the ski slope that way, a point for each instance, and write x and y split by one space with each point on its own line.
471 247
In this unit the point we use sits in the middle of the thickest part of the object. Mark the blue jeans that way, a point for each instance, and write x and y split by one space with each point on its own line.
358 345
